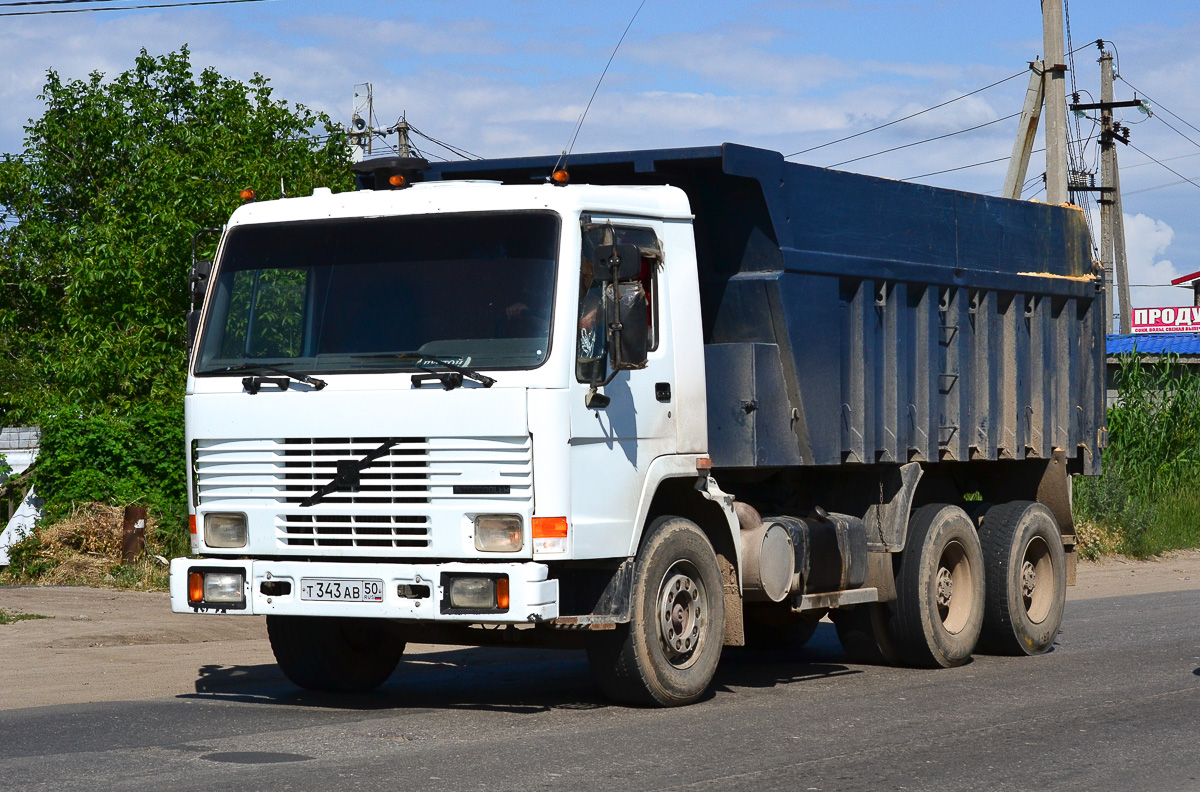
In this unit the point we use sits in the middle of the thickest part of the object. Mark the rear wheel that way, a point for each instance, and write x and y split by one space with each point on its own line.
1026 578
938 613
668 652
335 654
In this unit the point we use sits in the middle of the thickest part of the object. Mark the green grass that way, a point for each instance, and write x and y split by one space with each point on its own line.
10 617
1147 501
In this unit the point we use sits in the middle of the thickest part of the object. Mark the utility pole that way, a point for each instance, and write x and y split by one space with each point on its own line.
403 144
360 121
1107 166
1018 163
1056 102
1112 219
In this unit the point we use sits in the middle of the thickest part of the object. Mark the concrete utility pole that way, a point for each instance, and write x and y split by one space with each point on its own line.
1112 219
403 144
1107 166
1056 102
1018 163
360 121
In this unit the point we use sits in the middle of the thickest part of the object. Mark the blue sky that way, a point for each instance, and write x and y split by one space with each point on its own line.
510 78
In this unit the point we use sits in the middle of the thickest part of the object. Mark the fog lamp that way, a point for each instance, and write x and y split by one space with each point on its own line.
472 593
225 530
498 533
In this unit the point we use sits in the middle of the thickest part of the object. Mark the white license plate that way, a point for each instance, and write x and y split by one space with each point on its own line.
341 589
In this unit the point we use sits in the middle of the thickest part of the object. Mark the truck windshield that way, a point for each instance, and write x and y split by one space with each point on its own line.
340 295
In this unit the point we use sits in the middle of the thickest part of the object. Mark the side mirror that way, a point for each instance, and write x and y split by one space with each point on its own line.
625 259
629 343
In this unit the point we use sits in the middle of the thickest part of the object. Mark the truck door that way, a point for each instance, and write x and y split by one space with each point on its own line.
612 447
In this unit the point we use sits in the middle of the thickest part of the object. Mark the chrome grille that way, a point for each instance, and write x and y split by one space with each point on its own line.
402 476
403 497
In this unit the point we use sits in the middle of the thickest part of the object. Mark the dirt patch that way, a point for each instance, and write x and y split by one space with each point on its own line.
109 645
1118 576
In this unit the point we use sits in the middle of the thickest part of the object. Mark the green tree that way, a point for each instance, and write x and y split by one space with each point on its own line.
98 215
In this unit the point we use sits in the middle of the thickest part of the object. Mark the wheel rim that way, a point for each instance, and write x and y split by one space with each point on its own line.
682 614
954 588
1037 580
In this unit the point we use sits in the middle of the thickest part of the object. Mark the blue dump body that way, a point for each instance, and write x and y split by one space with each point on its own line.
855 320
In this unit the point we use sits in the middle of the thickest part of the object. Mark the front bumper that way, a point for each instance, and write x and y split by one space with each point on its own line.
532 597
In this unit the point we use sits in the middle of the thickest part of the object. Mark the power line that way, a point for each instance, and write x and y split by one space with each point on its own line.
926 140
905 118
961 167
926 110
1168 167
128 8
1157 105
51 2
1157 186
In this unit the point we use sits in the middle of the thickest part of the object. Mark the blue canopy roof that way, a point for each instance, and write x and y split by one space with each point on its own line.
1155 343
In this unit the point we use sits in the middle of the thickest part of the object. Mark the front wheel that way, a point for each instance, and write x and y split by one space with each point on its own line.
667 654
335 654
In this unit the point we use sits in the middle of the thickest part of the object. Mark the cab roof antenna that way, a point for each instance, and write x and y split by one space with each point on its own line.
566 153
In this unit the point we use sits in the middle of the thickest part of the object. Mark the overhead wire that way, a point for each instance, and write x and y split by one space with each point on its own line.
907 117
920 112
190 3
1168 167
926 140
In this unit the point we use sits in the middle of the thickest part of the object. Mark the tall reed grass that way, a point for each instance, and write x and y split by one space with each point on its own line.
1148 499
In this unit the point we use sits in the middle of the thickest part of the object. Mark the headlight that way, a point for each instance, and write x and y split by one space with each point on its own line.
225 530
498 533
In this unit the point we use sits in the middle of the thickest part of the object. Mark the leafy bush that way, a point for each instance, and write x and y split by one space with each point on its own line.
97 216
1149 495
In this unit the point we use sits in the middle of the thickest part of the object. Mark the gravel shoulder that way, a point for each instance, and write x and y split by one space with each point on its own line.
108 645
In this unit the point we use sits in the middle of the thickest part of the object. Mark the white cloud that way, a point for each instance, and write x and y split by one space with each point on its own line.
1146 242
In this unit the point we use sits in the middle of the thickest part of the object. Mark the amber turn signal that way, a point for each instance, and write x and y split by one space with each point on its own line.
560 177
502 593
195 587
247 195
549 527
396 180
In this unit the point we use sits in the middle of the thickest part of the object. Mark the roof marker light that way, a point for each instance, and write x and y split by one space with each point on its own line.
247 195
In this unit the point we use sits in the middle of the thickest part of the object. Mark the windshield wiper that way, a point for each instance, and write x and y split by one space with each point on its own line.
253 384
448 382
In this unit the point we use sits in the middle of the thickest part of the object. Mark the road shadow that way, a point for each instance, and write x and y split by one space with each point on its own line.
512 680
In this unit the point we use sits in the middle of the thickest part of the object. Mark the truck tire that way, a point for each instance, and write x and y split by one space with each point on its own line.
335 654
1026 573
667 654
773 627
938 613
863 631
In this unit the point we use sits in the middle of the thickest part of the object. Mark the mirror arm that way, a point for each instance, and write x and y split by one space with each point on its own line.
594 399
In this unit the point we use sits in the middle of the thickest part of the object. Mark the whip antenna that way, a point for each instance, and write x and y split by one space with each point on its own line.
562 158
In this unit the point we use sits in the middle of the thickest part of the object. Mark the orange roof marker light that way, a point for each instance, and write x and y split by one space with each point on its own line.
560 177
396 180
247 195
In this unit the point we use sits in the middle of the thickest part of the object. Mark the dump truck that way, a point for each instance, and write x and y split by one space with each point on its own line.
649 404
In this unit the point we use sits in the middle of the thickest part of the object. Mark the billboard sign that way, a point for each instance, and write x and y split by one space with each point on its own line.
1185 319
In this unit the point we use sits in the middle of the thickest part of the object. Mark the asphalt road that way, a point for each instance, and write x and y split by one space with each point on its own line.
1115 706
